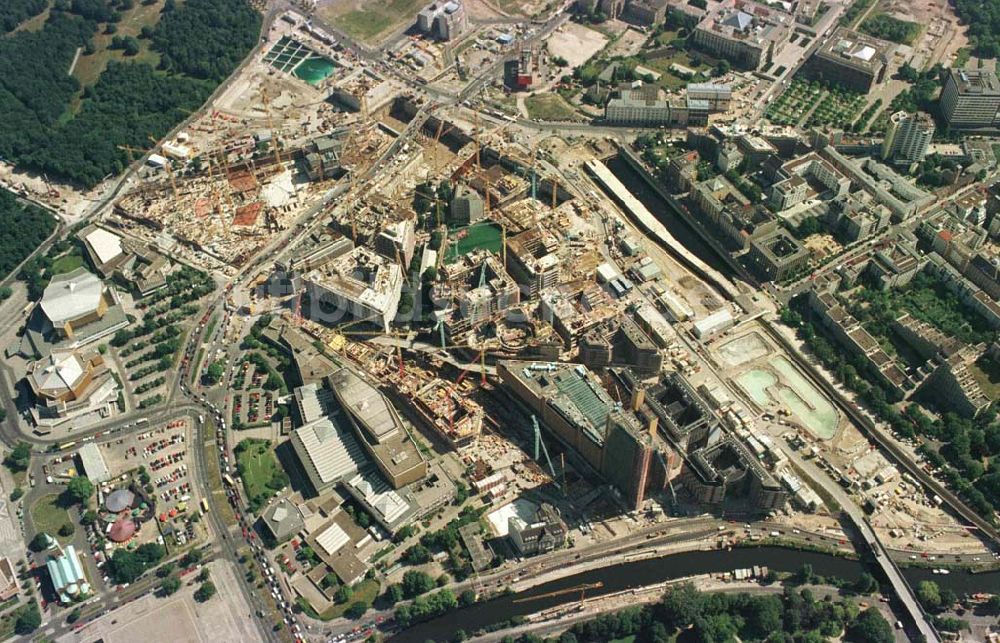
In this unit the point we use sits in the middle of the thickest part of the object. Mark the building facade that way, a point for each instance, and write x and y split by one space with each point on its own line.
971 99
907 137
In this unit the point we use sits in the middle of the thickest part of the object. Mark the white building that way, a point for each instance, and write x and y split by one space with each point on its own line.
907 137
443 20
362 283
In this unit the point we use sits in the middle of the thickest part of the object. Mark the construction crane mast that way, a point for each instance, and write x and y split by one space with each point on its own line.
270 124
539 442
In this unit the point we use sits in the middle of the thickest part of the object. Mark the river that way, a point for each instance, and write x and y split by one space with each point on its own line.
677 226
652 571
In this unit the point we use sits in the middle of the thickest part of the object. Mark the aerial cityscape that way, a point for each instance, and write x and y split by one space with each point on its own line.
500 320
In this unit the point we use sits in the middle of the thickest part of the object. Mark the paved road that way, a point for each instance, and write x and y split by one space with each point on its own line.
900 586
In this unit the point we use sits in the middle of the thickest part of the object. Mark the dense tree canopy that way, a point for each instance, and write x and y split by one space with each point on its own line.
983 19
206 38
13 12
48 128
80 489
22 229
689 615
19 457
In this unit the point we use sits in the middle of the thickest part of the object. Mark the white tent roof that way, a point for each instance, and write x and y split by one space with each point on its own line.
59 371
71 295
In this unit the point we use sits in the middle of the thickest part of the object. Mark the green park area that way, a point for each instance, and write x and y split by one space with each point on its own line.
823 106
838 108
550 107
49 514
794 103
258 467
127 71
376 18
67 262
364 592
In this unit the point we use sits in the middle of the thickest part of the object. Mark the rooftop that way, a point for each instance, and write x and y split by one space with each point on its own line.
93 463
366 404
856 49
106 245
58 373
71 295
331 449
976 81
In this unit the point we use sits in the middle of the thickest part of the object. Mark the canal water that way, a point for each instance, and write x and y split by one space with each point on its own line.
677 226
650 572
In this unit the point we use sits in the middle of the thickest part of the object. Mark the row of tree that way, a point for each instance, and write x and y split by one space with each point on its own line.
793 616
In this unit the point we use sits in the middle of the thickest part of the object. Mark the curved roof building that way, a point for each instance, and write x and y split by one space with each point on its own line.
122 530
119 500
67 575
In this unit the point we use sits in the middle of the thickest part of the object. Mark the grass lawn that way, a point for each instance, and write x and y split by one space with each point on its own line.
365 591
550 107
987 373
257 465
377 18
49 515
670 80
66 263
89 68
479 235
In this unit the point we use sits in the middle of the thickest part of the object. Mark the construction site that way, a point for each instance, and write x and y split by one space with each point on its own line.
262 156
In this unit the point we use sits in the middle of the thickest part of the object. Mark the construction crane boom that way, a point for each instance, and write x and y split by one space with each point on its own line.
561 592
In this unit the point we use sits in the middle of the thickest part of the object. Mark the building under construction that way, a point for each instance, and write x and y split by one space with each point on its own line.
227 212
456 418
473 291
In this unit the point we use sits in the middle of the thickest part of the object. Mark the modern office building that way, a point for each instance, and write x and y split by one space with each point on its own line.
378 428
443 20
851 59
718 96
971 99
467 206
398 240
907 137
571 401
521 71
643 106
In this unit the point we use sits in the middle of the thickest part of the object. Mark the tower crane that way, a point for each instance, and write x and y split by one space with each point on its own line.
270 124
540 442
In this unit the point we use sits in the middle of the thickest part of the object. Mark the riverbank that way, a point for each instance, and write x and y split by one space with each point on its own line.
634 574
